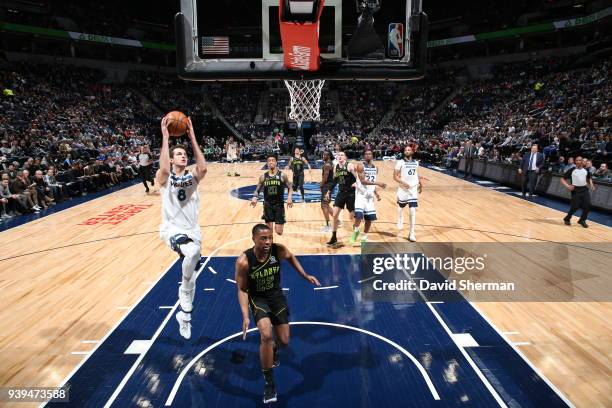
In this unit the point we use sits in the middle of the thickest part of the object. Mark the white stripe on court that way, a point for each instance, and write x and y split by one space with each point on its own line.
209 289
138 347
212 270
471 362
230 280
127 376
107 335
165 307
125 379
325 287
465 340
366 279
518 351
163 324
416 362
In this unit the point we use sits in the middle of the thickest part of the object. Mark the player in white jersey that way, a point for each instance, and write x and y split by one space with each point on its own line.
231 155
365 207
180 227
406 174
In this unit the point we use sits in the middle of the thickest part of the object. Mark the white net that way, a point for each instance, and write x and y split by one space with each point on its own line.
305 99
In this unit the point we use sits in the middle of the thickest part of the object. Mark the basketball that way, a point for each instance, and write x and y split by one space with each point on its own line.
177 123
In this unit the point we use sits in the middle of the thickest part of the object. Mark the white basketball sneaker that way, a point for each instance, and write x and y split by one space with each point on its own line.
411 237
184 321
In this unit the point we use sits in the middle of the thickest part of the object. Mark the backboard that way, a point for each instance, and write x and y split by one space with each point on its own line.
235 40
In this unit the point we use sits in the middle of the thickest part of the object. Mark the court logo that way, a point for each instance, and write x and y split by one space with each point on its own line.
116 215
395 45
312 193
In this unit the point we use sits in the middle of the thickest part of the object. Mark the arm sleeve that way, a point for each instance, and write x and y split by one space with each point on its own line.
568 174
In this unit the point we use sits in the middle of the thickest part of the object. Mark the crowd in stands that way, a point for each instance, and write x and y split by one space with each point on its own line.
564 109
65 133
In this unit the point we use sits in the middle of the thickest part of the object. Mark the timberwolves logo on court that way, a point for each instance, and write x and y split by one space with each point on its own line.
312 192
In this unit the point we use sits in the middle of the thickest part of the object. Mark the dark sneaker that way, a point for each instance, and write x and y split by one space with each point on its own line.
566 221
269 394
583 223
332 242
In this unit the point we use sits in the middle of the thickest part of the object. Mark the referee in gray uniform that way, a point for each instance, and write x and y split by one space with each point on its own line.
579 177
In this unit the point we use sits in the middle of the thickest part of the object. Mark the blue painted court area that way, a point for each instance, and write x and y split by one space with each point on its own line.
343 351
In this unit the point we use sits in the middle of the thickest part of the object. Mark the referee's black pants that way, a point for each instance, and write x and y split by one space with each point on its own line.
145 175
581 199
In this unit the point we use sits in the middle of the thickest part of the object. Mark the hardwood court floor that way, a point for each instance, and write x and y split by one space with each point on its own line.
63 283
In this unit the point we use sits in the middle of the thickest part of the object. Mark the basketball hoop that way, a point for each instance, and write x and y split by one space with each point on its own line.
305 99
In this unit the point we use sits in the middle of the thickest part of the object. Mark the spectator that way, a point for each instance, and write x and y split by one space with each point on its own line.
589 166
57 189
469 154
42 190
531 164
21 187
603 173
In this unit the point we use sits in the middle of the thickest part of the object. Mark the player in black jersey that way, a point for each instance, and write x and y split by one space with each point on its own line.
273 183
327 182
258 278
345 176
296 164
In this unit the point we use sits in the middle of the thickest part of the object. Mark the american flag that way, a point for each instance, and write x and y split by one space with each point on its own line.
215 45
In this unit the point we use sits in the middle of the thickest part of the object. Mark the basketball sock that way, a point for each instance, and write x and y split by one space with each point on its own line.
268 376
412 219
191 253
327 223
302 191
400 217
